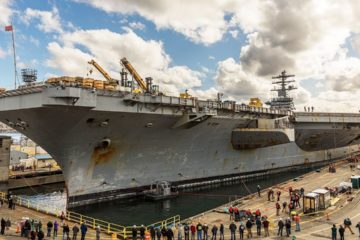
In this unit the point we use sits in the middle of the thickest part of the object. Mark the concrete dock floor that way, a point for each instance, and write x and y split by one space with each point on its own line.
312 227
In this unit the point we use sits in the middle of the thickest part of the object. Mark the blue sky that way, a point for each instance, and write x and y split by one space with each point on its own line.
207 46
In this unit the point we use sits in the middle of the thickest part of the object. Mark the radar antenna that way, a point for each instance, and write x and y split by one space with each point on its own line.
282 101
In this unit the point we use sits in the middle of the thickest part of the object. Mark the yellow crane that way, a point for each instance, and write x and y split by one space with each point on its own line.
134 73
255 102
110 80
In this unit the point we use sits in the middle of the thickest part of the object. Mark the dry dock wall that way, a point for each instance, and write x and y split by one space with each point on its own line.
5 143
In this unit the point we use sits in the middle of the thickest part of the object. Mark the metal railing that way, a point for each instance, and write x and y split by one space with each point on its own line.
106 227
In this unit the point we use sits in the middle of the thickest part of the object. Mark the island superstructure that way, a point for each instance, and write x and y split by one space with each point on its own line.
114 138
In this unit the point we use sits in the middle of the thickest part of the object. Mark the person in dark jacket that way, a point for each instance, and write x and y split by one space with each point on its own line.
152 233
214 230
40 235
221 230
75 230
280 227
258 226
333 232
186 231
241 230
170 234
163 233
341 232
49 228
232 228
142 232
83 229
205 230
66 232
134 232
3 224
158 233
288 227
249 225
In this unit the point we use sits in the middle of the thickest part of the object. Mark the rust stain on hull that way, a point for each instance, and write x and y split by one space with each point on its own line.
102 155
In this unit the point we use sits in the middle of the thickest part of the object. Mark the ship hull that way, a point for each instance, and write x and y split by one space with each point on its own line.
109 148
139 155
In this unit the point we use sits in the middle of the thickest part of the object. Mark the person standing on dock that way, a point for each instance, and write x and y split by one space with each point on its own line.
186 231
258 190
49 228
83 229
142 232
214 230
98 232
258 225
205 230
278 194
75 230
158 233
288 227
180 231
297 222
333 232
221 231
241 230
278 207
199 231
193 231
232 228
152 233
280 227
284 204
341 232
249 225
56 227
3 223
133 232
266 227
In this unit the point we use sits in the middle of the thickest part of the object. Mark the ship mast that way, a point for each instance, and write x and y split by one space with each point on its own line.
282 101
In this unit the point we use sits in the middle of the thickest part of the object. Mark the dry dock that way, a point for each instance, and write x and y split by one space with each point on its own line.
315 226
312 227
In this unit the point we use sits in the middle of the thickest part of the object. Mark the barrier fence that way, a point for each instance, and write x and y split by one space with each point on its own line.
106 227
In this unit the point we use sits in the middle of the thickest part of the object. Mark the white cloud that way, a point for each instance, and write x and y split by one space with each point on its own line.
201 21
6 12
237 84
49 21
148 57
137 25
3 53
34 41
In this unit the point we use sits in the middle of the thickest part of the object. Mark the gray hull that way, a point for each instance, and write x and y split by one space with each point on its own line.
109 145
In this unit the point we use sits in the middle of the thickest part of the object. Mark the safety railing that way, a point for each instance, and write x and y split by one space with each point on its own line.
106 227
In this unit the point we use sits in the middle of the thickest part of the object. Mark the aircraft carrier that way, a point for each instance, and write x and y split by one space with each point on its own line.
113 139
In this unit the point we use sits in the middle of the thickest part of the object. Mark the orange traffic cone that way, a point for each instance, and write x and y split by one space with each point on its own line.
18 228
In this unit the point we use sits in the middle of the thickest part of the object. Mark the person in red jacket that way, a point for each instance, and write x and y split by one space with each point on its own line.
193 231
231 212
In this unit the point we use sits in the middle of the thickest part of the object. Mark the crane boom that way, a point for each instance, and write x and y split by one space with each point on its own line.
134 73
102 71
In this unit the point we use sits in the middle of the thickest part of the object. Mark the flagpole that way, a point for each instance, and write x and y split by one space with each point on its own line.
13 43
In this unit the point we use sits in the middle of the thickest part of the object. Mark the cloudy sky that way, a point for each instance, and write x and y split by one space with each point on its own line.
207 46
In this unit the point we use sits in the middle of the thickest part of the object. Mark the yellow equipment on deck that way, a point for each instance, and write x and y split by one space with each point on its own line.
103 72
255 102
134 73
